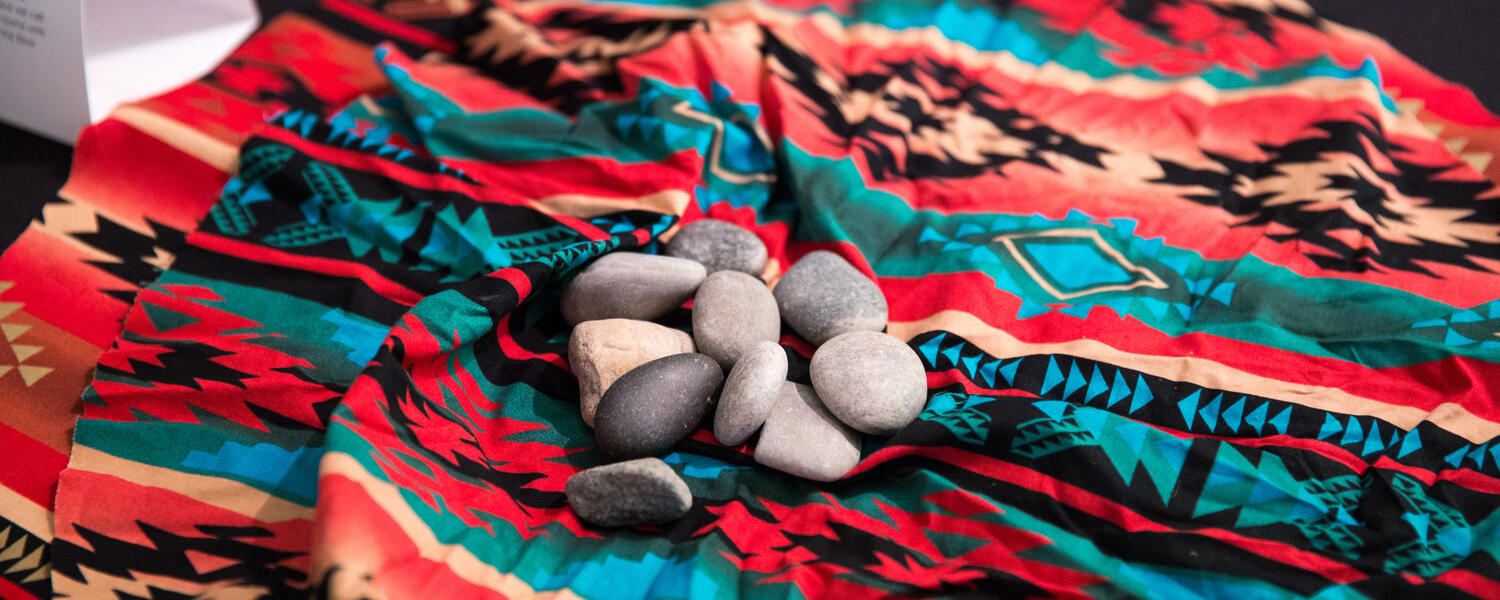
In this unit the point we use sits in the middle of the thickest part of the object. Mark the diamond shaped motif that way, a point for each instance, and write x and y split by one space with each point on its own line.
1069 263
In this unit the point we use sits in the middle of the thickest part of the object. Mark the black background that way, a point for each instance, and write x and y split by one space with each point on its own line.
1457 39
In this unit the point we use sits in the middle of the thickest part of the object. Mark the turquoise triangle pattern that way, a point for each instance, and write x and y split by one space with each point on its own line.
1330 427
1373 443
1188 406
1008 371
1210 412
1142 395
987 372
952 353
929 348
1075 380
1353 432
1232 414
1118 391
972 364
1456 456
1281 420
1097 385
1257 417
1477 455
1053 377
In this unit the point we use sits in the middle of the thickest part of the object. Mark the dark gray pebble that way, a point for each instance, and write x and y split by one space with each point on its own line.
654 406
634 492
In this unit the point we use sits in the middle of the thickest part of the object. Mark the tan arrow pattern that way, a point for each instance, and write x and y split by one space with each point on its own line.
11 331
1412 106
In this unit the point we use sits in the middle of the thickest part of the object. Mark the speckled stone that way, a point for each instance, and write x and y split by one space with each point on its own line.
599 352
802 438
870 381
731 313
823 296
656 405
630 285
749 393
720 246
634 492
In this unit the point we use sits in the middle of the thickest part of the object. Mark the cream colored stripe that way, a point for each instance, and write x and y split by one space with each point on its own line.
26 514
462 562
214 151
217 491
1204 372
670 202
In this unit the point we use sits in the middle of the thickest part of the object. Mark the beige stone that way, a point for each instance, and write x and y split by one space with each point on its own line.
603 350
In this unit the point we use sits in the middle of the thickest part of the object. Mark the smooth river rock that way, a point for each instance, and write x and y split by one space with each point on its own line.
731 313
823 296
634 492
601 351
749 393
630 285
802 438
656 405
720 246
870 381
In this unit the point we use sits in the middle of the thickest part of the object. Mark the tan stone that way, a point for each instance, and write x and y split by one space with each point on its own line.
603 350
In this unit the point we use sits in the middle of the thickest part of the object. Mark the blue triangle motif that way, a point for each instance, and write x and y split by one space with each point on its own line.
1353 432
1223 293
1156 308
1331 427
1188 406
1477 455
1456 456
1119 390
1265 491
1125 226
983 254
1009 371
1075 380
1281 420
1429 323
1052 408
956 245
951 353
972 364
1097 385
929 348
1373 443
1142 395
968 229
1465 316
1053 378
1257 417
987 372
930 235
1232 414
1031 309
1210 413
1134 436
1149 247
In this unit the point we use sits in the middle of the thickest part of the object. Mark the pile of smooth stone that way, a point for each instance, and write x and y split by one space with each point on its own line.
645 387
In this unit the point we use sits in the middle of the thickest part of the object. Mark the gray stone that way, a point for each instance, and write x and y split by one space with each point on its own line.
630 285
749 393
656 405
599 352
720 246
870 381
731 313
802 438
823 296
634 492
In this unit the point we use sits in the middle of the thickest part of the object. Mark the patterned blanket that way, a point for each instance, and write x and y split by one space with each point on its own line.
1206 292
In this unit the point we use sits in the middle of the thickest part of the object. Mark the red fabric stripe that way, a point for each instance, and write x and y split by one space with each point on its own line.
387 25
35 475
327 266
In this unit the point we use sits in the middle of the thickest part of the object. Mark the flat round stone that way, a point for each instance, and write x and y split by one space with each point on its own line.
634 492
870 381
802 438
823 296
630 285
720 246
599 352
731 313
654 406
749 393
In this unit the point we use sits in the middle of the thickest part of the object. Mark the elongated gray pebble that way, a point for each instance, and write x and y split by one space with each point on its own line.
656 405
731 313
823 296
634 492
720 246
802 438
870 381
630 285
599 352
749 393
